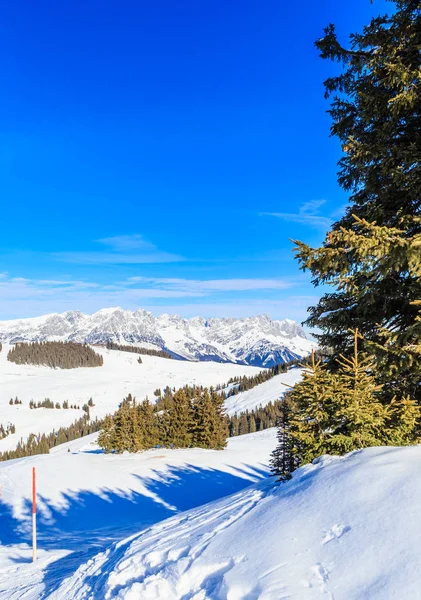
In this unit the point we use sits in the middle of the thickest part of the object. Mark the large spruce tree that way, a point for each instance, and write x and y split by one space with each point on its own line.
372 254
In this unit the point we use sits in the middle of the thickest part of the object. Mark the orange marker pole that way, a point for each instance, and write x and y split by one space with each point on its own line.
34 516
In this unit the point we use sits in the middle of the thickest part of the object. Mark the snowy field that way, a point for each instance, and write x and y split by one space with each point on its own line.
107 385
160 526
87 500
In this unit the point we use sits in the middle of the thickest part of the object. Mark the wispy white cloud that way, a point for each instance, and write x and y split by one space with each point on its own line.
125 243
213 285
120 249
308 214
20 296
109 258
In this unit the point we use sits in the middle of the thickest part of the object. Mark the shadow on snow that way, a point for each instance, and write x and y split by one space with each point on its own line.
87 522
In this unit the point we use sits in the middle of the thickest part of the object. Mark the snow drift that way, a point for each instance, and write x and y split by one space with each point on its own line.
345 528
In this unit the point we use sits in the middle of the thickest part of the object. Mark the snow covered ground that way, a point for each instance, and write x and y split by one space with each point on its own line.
344 528
87 500
264 393
107 385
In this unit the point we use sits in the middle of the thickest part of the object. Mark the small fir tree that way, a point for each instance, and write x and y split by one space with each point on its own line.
282 460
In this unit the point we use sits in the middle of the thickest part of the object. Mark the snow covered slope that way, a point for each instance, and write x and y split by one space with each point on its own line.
344 528
107 386
88 500
262 394
257 341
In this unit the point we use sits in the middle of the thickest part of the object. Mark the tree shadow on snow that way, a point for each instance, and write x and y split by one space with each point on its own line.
87 522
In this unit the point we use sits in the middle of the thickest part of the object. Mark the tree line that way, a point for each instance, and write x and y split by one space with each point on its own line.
63 355
190 416
367 392
47 403
244 383
257 419
137 350
41 444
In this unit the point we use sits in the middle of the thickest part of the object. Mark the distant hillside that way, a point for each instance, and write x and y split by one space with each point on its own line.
256 341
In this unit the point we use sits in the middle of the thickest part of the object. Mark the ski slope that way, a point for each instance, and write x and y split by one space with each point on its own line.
344 528
264 393
107 386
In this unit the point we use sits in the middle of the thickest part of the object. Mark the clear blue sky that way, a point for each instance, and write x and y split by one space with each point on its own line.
160 154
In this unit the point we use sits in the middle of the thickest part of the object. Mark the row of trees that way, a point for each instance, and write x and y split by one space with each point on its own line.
244 383
137 350
47 403
368 390
41 444
256 419
15 401
191 416
63 355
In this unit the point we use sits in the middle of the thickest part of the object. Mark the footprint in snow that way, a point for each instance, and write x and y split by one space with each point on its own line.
335 532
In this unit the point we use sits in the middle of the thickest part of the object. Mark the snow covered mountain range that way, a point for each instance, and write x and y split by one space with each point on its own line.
257 341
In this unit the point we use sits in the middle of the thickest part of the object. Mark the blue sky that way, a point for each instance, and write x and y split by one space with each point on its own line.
161 154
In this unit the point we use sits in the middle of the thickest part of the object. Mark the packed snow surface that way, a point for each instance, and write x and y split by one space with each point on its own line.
258 341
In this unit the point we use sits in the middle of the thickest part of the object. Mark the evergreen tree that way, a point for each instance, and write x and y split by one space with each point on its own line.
149 421
315 404
371 255
282 460
127 429
361 415
106 439
179 421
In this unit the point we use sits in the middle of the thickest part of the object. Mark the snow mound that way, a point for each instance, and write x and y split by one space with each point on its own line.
345 528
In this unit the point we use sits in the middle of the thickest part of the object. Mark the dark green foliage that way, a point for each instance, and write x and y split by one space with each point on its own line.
372 254
337 412
63 355
41 444
137 350
257 419
282 460
210 427
190 416
47 403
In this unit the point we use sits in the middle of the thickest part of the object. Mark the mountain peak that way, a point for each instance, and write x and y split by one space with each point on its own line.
256 340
